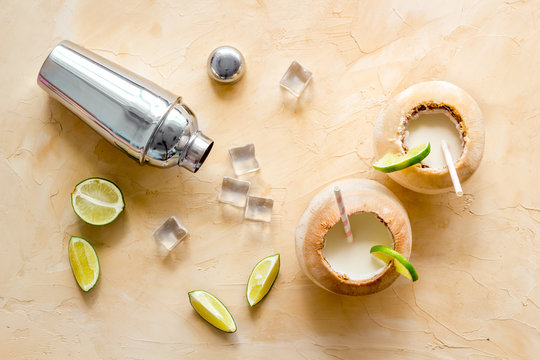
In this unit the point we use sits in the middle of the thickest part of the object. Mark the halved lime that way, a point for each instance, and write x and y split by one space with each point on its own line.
403 266
84 262
212 310
97 201
262 278
394 162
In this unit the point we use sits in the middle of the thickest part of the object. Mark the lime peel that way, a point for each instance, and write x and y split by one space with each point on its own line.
393 162
403 266
262 278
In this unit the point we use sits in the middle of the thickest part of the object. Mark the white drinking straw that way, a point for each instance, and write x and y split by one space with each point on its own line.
451 168
343 213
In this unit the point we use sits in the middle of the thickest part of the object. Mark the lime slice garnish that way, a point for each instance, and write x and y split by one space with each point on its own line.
262 278
394 162
403 266
212 310
84 262
97 201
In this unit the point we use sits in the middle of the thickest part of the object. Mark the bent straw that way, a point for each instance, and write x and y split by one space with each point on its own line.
343 213
451 168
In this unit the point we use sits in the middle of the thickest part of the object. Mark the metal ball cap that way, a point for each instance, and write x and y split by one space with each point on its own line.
226 65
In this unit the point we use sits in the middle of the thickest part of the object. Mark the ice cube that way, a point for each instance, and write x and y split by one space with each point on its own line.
295 79
234 191
170 233
243 159
259 209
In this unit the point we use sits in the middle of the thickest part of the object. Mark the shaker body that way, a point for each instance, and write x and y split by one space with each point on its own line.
144 120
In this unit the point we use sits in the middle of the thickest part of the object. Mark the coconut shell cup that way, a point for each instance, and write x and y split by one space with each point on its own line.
322 213
428 96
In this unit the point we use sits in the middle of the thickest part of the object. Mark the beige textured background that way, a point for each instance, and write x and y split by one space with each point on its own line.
478 257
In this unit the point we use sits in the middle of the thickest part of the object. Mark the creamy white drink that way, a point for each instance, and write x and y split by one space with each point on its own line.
434 126
354 259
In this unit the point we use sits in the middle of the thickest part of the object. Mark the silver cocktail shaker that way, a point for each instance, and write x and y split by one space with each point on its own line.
142 119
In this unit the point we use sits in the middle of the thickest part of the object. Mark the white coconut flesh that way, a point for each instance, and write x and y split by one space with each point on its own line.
364 197
395 124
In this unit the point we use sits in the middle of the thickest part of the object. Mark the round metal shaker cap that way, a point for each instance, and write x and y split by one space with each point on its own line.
226 65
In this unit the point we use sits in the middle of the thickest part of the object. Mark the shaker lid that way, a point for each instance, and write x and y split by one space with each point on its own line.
226 65
199 147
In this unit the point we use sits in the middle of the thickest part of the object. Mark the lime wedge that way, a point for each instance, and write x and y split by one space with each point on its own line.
394 162
212 310
84 262
97 201
262 278
403 266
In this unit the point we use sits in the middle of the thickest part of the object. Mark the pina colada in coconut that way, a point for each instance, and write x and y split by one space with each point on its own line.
430 112
346 267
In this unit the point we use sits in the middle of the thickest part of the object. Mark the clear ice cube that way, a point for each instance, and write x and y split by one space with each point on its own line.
295 79
259 209
234 191
170 233
243 159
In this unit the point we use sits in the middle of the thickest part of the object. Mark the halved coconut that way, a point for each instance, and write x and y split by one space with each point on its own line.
428 96
322 213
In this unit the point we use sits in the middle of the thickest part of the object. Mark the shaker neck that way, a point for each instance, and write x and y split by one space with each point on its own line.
198 149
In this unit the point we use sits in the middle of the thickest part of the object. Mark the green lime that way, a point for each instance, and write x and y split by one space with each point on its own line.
97 201
403 266
212 310
84 262
394 162
262 278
